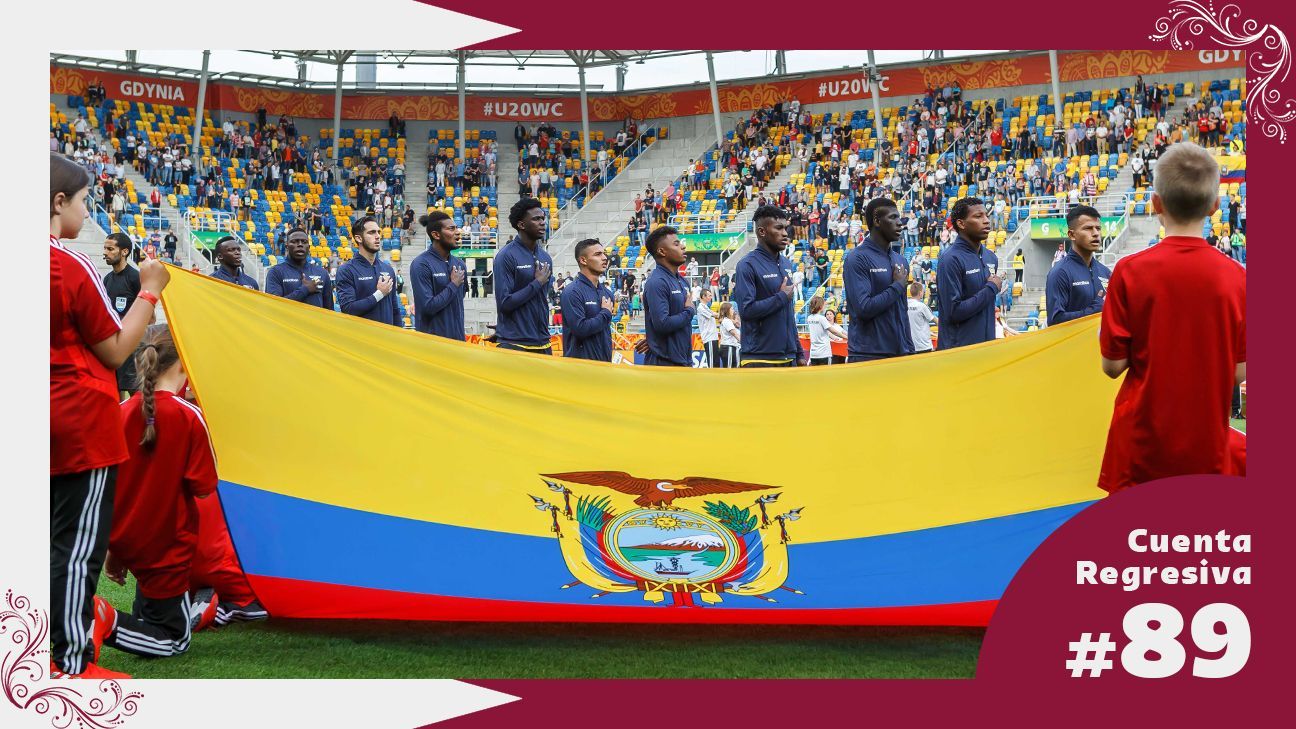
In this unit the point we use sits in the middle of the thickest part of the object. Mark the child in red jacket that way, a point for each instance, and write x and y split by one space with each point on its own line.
155 512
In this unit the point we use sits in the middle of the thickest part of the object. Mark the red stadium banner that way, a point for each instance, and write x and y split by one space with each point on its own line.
128 87
906 81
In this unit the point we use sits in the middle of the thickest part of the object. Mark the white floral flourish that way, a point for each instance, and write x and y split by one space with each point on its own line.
24 660
1270 61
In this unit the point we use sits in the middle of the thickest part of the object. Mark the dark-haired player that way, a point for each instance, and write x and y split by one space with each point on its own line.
438 280
366 284
1077 285
875 279
229 257
668 305
522 269
587 306
763 292
965 283
297 279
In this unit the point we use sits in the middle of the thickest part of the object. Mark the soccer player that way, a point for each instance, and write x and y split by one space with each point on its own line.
1174 323
587 307
87 342
875 279
229 252
438 280
708 331
297 279
122 284
522 269
965 284
764 295
366 284
668 308
155 518
1077 284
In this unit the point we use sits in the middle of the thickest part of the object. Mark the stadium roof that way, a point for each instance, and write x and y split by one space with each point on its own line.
484 69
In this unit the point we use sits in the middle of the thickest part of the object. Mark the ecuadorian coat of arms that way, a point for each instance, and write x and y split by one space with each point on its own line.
665 550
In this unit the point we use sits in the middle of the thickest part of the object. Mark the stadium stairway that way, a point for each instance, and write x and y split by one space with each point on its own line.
607 215
506 185
744 219
416 179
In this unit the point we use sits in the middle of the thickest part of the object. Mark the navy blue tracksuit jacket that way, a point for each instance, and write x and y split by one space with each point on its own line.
357 281
879 309
769 329
438 304
587 326
967 301
1074 289
242 279
285 280
521 302
668 318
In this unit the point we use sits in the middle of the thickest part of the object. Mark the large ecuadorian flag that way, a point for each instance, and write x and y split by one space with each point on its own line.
371 472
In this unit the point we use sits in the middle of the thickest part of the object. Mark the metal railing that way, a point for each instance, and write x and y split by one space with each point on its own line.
581 196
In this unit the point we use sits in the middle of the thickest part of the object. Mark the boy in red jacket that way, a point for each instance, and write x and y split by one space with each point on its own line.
1174 322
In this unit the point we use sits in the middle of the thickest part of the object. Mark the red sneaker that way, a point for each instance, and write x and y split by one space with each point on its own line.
96 671
105 622
92 671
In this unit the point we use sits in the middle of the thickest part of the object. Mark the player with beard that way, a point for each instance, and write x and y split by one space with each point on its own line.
366 284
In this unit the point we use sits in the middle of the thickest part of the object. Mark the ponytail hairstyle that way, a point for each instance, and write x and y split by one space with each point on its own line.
816 304
156 354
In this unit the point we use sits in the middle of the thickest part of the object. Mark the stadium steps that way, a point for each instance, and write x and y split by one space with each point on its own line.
744 219
506 185
1141 230
416 179
1022 307
607 215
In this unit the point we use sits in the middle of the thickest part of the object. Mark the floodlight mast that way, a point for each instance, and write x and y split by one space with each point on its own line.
715 100
1057 88
196 150
875 80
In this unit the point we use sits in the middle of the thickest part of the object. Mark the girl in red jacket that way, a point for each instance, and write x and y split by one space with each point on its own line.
155 513
88 342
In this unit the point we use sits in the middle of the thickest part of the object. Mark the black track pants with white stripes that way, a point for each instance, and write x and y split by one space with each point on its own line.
81 506
156 627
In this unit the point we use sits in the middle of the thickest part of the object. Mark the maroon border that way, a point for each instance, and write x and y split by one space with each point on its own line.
1010 700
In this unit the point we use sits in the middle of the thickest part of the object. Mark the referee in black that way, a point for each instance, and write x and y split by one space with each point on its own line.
123 285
